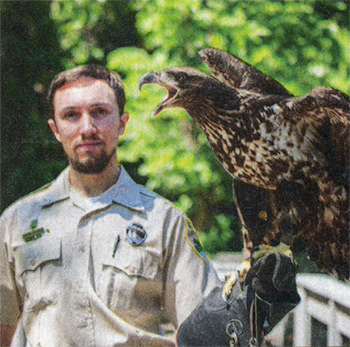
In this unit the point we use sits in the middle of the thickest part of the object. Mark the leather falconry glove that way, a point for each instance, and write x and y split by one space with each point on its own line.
252 309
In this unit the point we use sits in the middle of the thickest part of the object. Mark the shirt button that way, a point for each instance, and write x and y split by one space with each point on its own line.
32 262
83 324
131 269
81 248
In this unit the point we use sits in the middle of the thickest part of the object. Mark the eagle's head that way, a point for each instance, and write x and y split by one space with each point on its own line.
189 87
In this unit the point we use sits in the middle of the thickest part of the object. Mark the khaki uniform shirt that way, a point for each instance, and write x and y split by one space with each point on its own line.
102 273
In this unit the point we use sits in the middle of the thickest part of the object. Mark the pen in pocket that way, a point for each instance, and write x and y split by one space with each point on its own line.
116 245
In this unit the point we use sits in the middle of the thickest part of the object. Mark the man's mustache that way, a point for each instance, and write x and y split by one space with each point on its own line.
89 141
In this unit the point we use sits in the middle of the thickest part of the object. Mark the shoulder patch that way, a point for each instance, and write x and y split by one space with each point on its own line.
193 241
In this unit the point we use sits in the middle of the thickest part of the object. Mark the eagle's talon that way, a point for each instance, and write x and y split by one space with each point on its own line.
243 269
230 282
232 279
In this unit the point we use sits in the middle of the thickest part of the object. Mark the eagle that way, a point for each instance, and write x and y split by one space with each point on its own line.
288 156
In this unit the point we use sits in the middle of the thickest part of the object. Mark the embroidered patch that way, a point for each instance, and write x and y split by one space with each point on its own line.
136 234
193 241
35 233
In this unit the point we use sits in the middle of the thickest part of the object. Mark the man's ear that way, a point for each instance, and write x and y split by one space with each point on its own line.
54 129
123 121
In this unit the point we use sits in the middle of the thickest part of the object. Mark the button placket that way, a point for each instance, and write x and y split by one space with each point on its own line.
82 249
80 261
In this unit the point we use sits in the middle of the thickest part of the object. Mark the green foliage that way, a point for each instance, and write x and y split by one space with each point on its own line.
302 44
220 236
87 29
172 152
291 41
30 58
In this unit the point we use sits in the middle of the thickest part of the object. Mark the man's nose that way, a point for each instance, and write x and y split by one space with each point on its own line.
88 126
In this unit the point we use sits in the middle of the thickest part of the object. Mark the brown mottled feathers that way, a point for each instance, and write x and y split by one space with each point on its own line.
318 206
254 204
289 156
236 73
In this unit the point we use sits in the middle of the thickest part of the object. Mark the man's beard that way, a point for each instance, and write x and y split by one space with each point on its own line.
94 165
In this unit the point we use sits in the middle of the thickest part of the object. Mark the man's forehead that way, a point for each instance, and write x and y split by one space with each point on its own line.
81 83
85 89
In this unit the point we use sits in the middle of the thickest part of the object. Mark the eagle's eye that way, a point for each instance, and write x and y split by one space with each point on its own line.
179 77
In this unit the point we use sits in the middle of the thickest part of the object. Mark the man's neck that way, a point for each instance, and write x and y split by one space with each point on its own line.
93 185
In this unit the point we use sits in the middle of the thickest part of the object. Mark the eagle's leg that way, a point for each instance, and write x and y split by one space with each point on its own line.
257 213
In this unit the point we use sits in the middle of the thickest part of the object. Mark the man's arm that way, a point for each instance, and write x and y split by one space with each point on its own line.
6 335
189 276
9 297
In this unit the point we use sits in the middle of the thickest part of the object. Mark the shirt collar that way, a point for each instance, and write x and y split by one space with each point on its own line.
125 192
58 190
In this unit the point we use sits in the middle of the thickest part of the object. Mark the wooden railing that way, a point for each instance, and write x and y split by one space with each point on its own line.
323 317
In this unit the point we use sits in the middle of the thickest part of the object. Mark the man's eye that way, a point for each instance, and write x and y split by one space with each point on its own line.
100 112
71 115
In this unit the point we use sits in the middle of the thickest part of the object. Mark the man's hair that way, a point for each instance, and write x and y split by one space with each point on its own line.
94 71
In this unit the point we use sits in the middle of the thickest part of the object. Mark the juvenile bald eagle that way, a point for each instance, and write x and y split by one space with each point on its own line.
291 154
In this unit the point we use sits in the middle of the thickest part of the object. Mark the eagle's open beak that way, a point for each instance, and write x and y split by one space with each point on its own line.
156 78
149 78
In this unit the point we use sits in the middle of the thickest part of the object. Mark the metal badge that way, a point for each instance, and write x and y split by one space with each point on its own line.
136 234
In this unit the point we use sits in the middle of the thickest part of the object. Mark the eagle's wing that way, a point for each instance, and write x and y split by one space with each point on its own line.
236 73
329 110
325 112
336 132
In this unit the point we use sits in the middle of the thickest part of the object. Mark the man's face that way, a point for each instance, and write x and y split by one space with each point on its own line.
87 123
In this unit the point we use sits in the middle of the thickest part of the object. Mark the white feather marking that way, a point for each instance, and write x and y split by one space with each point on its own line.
277 109
212 138
289 104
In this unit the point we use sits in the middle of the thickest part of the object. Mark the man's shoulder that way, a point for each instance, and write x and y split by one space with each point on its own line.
157 201
31 200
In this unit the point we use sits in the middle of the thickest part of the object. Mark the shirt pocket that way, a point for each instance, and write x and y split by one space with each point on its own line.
30 256
130 282
38 269
134 261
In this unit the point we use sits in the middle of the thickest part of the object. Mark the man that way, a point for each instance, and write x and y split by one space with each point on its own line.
93 259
